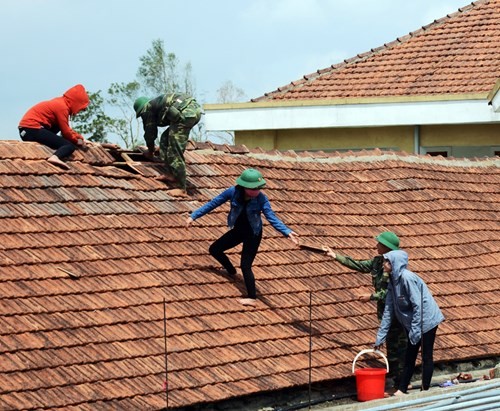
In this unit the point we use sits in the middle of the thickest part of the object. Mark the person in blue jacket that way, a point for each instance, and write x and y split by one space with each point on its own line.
245 223
409 299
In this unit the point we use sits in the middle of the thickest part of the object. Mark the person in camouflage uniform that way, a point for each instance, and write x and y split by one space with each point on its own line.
396 338
180 112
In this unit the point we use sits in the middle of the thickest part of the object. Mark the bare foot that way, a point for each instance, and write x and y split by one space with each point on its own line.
58 162
248 301
177 192
398 393
389 392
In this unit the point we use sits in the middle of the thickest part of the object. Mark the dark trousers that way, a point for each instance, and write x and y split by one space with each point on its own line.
48 138
251 244
396 349
427 361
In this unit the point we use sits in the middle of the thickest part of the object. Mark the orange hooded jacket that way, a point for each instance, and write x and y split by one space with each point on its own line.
56 112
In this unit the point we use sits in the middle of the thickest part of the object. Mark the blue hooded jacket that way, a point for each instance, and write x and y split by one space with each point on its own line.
255 207
409 299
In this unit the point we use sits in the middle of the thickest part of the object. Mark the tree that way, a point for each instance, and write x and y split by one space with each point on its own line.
126 127
92 122
159 72
189 83
157 69
228 93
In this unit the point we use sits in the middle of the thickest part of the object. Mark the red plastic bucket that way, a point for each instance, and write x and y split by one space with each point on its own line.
370 382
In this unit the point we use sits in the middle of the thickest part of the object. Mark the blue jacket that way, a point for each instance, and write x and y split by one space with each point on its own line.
409 299
255 207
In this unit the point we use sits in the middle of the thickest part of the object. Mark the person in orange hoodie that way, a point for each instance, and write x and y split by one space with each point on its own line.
45 120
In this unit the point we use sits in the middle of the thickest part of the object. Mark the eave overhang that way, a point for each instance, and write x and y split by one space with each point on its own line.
359 112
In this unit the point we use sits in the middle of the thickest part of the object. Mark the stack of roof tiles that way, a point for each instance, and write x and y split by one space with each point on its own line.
457 54
89 256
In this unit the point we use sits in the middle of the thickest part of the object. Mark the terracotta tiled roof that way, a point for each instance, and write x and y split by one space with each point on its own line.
87 257
456 54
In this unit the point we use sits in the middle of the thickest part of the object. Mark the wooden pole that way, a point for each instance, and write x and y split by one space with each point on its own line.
310 346
166 357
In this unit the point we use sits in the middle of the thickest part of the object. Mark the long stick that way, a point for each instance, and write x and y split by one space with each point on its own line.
165 342
310 346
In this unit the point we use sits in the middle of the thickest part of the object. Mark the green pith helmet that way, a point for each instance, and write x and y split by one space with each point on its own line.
389 239
251 178
139 105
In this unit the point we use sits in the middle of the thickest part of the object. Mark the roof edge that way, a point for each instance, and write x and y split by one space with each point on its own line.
345 101
341 157
363 56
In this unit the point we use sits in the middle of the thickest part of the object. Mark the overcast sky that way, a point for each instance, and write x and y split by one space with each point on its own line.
47 46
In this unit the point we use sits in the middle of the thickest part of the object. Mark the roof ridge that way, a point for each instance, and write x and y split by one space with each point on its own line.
348 156
317 156
365 55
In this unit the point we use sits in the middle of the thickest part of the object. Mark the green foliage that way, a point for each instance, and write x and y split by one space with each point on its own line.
159 72
93 123
121 98
121 94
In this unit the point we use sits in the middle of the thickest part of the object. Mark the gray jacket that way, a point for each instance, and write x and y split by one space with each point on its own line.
409 299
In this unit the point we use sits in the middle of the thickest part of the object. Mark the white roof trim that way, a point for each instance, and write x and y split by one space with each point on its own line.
248 117
495 102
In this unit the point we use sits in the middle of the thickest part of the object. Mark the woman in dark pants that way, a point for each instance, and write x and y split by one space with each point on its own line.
45 120
245 223
409 299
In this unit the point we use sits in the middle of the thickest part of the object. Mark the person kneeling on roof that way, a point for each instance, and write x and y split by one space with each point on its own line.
45 120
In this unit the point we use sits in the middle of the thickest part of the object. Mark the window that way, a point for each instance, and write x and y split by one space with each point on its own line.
436 151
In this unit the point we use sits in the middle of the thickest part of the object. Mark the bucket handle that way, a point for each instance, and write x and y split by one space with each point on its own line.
370 351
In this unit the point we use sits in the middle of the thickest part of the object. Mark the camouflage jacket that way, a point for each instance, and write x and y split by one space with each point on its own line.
380 279
161 112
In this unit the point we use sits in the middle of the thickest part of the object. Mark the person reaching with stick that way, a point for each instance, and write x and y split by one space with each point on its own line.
396 338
